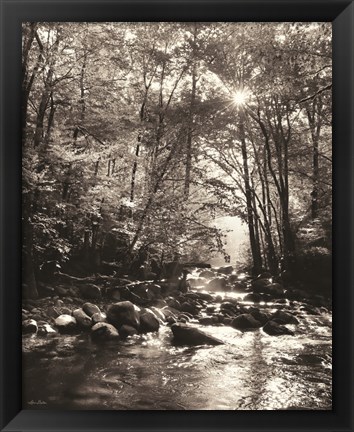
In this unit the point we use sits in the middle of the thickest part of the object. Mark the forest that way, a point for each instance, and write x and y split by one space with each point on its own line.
136 135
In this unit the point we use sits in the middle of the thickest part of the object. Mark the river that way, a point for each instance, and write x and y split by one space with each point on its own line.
251 371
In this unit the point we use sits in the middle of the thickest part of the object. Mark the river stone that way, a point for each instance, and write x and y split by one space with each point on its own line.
183 317
99 317
104 331
29 326
148 322
245 322
208 274
186 335
46 329
274 329
65 323
216 284
126 331
122 313
226 270
171 301
205 296
90 309
59 303
82 319
66 310
208 320
228 306
274 289
189 307
260 285
253 297
197 282
158 313
284 317
90 291
260 316
169 312
52 312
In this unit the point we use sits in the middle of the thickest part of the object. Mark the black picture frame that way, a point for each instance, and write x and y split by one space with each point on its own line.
341 13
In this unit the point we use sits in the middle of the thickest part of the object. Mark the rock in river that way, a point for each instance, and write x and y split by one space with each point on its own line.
245 322
274 329
148 322
104 331
283 317
216 284
82 319
99 317
65 323
90 309
126 331
29 326
122 313
187 335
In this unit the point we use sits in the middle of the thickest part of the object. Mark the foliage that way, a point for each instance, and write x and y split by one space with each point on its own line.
133 127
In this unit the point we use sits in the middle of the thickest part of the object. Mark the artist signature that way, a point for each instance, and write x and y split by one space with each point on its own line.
38 402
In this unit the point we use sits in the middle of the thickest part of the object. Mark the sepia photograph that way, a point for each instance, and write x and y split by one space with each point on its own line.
176 216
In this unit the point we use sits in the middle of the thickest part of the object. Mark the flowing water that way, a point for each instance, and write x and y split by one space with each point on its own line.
251 371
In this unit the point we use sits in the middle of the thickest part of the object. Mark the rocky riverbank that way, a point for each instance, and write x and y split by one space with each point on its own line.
214 297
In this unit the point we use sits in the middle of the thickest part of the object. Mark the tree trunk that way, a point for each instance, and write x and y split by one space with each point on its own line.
255 247
191 117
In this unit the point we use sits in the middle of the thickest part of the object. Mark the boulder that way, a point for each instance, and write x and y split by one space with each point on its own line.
208 320
29 326
122 313
103 331
208 274
90 291
82 319
197 282
228 306
58 303
189 307
99 317
274 289
172 302
283 317
260 285
187 335
65 323
158 313
126 331
148 322
226 270
274 329
183 317
65 310
205 296
216 284
90 309
169 312
46 329
52 312
262 317
253 297
245 322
